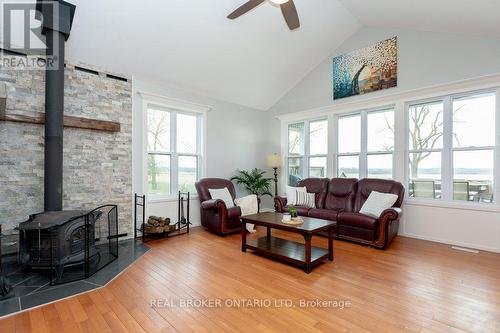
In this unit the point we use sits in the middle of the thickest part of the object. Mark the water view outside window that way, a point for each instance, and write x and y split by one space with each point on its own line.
380 144
349 146
371 150
471 154
425 148
348 166
473 147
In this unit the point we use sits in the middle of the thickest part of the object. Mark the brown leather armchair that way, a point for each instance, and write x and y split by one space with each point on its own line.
215 216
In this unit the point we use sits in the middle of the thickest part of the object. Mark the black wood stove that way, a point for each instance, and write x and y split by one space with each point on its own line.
68 243
57 239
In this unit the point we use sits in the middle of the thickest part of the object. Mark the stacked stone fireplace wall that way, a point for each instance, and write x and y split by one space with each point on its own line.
97 165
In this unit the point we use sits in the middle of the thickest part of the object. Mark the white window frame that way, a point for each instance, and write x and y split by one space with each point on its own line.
364 153
174 106
307 149
400 99
308 155
408 105
448 149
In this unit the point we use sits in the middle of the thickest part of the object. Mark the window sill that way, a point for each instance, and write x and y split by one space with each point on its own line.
170 198
485 207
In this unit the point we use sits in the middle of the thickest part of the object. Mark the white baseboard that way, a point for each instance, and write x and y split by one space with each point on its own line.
451 242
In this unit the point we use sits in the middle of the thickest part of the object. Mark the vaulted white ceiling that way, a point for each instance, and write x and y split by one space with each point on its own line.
252 61
471 17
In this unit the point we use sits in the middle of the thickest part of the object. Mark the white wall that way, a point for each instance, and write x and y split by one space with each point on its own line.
424 60
236 139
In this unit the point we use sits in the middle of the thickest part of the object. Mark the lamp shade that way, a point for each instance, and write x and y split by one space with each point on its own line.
274 161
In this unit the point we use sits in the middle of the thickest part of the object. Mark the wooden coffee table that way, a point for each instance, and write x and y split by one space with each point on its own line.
298 254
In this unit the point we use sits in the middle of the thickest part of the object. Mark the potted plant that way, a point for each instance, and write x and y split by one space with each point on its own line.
293 211
253 181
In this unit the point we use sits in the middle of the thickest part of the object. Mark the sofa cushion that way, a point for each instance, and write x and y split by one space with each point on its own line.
357 220
233 212
319 187
301 210
367 185
292 193
341 194
378 202
204 184
222 194
325 214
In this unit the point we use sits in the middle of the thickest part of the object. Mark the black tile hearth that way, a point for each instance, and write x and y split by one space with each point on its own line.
32 288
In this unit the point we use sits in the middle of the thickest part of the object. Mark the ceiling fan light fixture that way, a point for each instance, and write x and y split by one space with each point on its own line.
278 2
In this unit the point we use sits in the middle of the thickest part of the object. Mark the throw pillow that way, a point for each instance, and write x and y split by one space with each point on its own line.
222 194
291 194
378 202
306 199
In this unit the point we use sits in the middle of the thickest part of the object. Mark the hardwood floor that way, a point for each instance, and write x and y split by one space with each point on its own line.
414 286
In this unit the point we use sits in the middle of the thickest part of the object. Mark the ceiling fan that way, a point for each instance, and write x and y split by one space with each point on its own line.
287 8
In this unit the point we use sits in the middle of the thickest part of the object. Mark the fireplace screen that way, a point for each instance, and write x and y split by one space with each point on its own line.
72 245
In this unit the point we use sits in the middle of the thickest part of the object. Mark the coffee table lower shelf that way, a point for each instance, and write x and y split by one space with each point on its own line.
287 251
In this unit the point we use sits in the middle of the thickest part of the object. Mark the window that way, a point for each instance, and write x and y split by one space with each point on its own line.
366 145
473 147
425 149
349 149
451 148
173 143
296 151
318 148
307 150
380 144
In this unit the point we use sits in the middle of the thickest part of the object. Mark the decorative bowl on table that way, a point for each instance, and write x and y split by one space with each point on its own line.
293 221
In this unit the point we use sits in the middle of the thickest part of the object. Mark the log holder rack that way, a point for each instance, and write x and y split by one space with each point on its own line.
181 226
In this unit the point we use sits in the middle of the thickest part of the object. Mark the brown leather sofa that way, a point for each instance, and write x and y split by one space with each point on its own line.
215 216
340 199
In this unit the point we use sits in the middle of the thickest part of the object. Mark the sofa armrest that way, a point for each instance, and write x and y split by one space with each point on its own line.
279 203
213 204
391 214
388 225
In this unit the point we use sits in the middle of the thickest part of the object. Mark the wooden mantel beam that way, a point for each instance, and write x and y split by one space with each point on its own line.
69 121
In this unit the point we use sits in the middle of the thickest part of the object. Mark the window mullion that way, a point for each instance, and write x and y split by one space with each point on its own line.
174 161
331 164
363 160
198 148
307 148
447 155
496 162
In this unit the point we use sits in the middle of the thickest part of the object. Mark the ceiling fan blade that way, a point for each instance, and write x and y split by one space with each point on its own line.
290 14
244 8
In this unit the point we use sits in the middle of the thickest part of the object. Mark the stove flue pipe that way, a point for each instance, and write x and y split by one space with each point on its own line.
57 19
